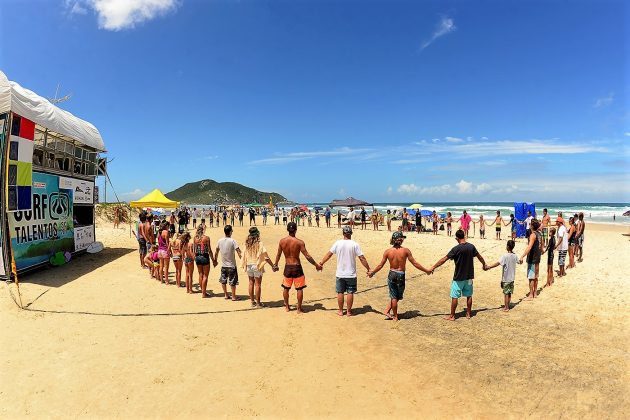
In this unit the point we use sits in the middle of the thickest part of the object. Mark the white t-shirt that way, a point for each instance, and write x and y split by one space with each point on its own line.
227 247
562 233
528 222
508 262
350 215
346 251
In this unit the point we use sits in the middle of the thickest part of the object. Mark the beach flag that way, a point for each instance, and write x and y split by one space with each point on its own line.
270 202
20 169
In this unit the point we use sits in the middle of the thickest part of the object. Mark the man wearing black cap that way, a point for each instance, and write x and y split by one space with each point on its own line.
347 251
397 256
291 247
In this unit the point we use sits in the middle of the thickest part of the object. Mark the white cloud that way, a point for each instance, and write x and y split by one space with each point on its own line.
75 7
453 139
464 187
604 101
297 156
390 190
484 138
133 195
482 188
413 189
116 15
627 134
531 147
444 27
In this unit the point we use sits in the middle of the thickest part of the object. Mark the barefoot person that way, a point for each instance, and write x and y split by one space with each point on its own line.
464 222
508 262
546 219
347 251
551 247
291 247
498 221
253 261
228 247
462 285
142 239
164 252
580 237
203 256
397 256
176 253
562 245
188 254
533 253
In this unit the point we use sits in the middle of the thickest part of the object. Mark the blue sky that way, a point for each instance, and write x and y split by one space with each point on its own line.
383 100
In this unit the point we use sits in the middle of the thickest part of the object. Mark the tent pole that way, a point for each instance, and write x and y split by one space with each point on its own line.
6 184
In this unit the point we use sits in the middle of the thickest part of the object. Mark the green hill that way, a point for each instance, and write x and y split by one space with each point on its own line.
212 192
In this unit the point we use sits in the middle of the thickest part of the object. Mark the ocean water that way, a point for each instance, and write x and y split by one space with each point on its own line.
594 212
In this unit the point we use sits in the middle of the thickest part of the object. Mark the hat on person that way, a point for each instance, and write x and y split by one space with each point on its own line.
347 230
291 227
397 235
253 231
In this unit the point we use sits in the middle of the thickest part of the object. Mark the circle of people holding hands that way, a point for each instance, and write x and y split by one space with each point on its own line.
159 244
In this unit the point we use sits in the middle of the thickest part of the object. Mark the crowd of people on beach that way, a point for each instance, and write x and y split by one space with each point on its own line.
165 238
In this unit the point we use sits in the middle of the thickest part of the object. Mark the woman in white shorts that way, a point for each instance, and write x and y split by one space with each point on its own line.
254 259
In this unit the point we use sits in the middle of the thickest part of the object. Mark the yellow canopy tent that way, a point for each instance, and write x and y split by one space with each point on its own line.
155 199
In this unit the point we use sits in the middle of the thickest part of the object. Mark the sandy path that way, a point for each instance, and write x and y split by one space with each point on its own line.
106 341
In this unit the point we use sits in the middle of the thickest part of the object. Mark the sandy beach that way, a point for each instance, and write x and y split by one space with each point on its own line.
100 339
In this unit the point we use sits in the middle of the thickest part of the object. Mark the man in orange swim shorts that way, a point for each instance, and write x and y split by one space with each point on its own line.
291 247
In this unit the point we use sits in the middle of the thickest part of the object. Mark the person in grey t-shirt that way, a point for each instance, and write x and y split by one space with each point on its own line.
227 247
508 262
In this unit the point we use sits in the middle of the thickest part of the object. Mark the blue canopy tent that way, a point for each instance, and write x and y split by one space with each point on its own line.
520 214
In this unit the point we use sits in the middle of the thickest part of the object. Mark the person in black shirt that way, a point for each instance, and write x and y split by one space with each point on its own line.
363 217
533 253
462 284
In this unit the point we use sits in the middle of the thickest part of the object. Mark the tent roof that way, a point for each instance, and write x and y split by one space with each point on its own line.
28 104
350 201
155 199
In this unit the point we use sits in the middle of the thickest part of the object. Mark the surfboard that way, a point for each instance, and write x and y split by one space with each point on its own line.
95 247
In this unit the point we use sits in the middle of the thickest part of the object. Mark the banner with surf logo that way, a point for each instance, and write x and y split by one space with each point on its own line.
47 228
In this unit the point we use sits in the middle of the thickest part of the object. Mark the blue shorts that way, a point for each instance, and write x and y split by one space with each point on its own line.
346 285
532 272
461 288
396 284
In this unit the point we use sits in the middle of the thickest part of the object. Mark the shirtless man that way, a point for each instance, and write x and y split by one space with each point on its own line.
142 240
291 247
148 231
397 256
545 227
580 236
497 223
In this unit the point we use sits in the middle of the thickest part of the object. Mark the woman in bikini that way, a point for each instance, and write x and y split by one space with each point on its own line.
163 252
388 219
203 256
176 252
188 254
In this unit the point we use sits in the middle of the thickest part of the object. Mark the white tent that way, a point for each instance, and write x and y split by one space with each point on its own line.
28 104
